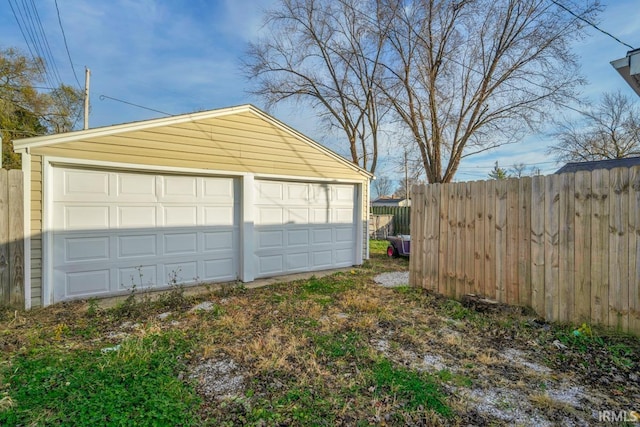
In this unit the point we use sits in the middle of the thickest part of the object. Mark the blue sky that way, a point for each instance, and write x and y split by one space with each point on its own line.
183 56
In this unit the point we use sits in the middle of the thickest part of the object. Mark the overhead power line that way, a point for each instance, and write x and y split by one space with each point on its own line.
591 24
66 46
103 97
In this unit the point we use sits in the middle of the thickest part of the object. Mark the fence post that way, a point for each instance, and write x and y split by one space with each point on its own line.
16 238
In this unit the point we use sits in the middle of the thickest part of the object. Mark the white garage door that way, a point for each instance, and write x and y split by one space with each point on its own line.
303 227
112 230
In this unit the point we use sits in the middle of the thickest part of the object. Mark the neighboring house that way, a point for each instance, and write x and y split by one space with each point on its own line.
390 201
599 164
213 196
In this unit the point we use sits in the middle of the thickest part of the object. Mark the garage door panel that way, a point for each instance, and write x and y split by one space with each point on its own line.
140 276
322 258
218 215
344 256
321 216
297 238
269 192
344 195
297 193
180 272
179 189
180 216
81 249
217 189
219 241
270 264
81 185
321 235
72 217
136 217
343 216
134 246
269 215
219 269
180 243
344 234
136 188
298 261
85 283
298 216
269 239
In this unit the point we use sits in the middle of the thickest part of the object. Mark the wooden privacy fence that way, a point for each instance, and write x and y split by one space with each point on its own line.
401 217
566 245
11 238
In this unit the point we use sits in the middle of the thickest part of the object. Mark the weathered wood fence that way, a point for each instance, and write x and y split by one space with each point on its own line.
11 238
401 217
566 245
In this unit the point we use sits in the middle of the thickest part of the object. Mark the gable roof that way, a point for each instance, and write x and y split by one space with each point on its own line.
599 164
25 144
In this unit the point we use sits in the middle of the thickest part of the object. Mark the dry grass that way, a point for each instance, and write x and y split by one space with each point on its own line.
336 350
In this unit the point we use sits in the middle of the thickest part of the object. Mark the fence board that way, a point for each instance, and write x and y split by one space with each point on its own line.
416 261
619 249
16 238
566 254
469 241
551 242
600 247
460 227
443 246
501 240
512 295
4 238
524 241
634 249
452 226
433 221
477 191
582 232
537 244
490 241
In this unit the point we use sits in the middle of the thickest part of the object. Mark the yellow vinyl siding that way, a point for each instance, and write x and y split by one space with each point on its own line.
36 231
239 143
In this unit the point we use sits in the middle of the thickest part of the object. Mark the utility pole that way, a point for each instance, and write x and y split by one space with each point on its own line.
406 176
87 76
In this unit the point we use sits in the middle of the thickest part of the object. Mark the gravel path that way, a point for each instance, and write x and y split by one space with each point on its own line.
393 279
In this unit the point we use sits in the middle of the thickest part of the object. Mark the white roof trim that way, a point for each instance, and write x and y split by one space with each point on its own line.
22 145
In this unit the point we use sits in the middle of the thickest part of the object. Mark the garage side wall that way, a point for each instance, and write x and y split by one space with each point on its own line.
36 231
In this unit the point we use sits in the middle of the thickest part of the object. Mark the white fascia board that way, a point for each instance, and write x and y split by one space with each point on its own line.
66 161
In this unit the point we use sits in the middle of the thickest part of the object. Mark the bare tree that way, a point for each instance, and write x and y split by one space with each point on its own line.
468 76
325 53
610 130
382 186
460 76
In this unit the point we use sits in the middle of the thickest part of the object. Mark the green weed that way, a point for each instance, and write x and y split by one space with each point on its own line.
134 384
411 389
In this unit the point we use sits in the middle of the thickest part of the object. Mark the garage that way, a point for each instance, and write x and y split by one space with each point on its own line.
208 197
